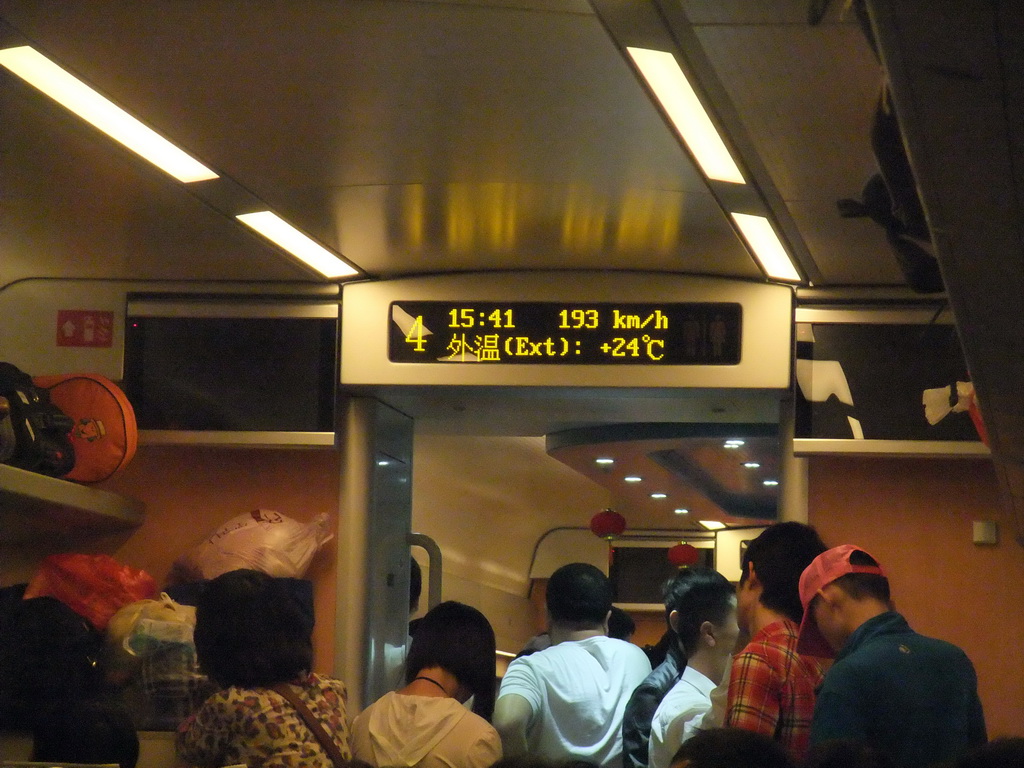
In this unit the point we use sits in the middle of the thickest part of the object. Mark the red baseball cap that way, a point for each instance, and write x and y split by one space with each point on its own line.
823 570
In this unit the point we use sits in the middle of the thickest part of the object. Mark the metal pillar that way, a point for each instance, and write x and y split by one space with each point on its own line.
372 616
793 480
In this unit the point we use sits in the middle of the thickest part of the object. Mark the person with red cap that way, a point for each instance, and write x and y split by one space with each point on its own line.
912 697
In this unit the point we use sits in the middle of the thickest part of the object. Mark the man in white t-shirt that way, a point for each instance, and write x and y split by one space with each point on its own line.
566 702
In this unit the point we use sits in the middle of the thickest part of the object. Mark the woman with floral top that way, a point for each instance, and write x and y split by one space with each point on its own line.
252 635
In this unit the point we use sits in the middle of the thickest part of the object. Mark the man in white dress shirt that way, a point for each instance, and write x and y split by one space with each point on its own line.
703 617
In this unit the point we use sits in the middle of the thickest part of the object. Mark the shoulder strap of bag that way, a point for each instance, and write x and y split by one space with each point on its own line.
314 725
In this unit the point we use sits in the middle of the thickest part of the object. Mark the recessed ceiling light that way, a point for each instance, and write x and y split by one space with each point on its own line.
604 460
767 248
681 511
667 81
659 495
383 463
712 525
299 245
771 482
633 479
751 464
74 95
737 441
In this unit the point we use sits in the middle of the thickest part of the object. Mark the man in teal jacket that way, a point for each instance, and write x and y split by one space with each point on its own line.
912 697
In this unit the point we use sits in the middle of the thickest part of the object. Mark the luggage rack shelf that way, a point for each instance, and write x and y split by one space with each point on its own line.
33 505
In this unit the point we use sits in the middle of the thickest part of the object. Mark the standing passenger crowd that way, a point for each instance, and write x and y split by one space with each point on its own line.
830 676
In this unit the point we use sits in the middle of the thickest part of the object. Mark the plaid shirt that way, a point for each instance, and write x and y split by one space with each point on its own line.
771 688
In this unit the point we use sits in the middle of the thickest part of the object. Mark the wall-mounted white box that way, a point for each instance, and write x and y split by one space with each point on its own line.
986 532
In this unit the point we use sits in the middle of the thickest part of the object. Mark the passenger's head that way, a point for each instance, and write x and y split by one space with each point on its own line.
459 639
94 730
251 631
535 761
415 585
771 568
620 624
838 589
579 597
731 748
702 605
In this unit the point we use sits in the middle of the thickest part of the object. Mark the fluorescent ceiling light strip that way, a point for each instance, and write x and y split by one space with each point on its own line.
666 79
67 90
767 248
302 247
712 525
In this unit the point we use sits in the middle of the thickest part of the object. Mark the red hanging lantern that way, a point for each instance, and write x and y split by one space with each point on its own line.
683 554
607 524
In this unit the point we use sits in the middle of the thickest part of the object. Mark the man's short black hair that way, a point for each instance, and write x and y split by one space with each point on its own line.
620 624
779 555
579 596
415 585
864 585
732 748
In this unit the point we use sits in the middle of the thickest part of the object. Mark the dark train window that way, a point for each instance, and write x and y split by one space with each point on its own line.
231 373
638 573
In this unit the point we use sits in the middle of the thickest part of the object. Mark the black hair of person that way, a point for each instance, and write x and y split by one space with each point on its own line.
459 639
251 632
535 761
864 585
97 730
697 595
415 584
579 596
620 624
779 555
731 748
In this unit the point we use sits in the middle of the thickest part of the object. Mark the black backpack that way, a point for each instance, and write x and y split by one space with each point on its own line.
48 655
41 430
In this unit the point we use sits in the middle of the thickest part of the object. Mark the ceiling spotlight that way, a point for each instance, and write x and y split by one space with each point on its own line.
734 442
712 525
633 479
659 495
751 464
604 460
681 511
383 463
771 482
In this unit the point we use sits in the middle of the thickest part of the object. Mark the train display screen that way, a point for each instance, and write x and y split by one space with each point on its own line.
554 333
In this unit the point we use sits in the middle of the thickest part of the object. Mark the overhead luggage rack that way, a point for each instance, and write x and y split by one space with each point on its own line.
34 505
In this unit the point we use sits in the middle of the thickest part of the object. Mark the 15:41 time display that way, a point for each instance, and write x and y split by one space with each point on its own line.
468 317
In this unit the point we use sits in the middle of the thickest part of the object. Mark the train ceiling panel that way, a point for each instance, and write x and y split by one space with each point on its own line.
433 137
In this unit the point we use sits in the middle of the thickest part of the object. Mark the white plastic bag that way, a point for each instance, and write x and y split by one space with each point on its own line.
263 540
140 628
